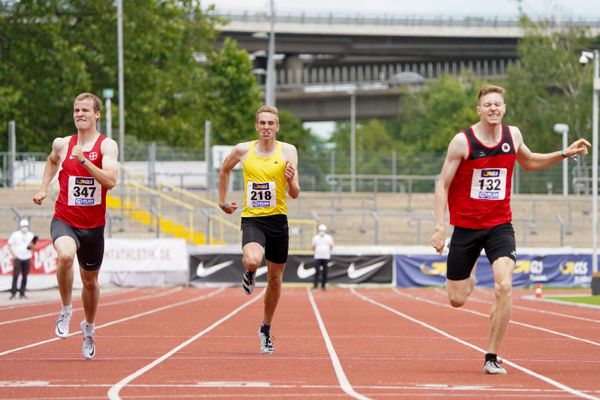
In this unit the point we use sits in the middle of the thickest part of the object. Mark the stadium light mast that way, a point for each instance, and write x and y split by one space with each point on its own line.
584 59
353 141
564 130
121 82
270 81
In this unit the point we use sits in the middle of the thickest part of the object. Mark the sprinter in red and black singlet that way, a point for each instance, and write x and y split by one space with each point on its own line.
88 169
475 183
479 195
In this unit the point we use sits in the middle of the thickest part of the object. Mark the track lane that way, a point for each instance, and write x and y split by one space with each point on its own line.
39 327
139 332
226 360
383 355
387 356
534 352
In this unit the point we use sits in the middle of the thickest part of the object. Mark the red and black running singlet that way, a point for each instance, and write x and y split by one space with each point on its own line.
479 195
81 201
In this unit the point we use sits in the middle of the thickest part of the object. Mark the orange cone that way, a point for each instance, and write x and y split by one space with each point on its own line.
538 290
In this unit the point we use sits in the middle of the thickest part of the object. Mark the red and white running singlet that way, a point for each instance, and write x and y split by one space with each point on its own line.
81 201
479 195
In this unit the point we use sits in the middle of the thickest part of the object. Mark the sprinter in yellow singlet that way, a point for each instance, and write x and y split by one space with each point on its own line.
270 171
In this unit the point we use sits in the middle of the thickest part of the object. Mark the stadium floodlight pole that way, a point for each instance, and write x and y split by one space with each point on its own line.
270 81
108 95
352 141
596 86
564 130
121 84
584 59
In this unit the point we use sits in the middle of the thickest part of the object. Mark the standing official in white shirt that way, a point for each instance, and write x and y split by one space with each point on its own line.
20 244
322 245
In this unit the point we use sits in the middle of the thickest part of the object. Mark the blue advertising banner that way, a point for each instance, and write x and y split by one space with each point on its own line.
560 270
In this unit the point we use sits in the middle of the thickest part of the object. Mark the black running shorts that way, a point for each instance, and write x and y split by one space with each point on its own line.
466 245
270 232
90 243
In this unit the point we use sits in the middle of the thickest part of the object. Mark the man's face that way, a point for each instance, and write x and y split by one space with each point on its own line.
267 125
491 108
84 115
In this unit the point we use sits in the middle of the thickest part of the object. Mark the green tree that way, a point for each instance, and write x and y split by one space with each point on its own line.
293 132
432 116
231 94
40 68
52 50
548 85
164 81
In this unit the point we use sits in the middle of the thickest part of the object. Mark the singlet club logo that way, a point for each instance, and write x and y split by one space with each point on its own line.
260 186
93 155
84 181
490 173
505 147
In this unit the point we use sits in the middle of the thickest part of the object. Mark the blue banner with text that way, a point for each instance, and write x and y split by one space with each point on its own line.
560 270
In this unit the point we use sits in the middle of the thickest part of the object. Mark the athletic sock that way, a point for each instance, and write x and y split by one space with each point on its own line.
68 308
89 328
491 357
266 329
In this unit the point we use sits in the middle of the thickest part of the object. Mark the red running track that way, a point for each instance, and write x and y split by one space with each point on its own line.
172 343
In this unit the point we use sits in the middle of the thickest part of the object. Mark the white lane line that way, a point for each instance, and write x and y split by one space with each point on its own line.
539 328
337 366
35 303
522 392
54 313
143 314
113 393
546 379
482 300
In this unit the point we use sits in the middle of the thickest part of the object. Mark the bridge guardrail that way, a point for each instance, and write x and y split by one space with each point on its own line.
330 18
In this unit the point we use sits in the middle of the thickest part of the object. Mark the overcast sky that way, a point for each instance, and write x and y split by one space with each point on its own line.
566 9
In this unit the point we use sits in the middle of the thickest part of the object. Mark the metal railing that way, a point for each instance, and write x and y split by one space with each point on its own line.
386 19
385 76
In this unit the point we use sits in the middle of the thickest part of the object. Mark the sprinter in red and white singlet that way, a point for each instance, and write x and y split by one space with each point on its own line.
88 169
475 183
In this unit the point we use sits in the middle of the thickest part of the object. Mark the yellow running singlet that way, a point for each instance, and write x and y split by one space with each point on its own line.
265 185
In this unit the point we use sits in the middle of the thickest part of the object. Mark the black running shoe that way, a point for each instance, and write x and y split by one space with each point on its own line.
248 282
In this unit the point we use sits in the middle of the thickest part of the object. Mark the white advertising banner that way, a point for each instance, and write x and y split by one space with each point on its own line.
145 255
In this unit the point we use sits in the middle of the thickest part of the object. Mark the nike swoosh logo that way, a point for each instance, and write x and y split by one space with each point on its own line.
304 273
354 273
202 271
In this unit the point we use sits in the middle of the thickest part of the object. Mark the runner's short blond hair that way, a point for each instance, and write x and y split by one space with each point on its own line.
267 109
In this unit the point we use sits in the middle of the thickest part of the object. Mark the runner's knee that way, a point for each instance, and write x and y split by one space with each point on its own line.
89 283
274 280
503 289
65 260
252 261
457 300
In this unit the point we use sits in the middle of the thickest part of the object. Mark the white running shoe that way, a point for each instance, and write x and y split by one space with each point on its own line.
248 282
266 343
493 368
61 328
88 348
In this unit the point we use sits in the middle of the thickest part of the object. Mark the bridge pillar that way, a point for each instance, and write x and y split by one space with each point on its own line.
293 64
